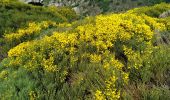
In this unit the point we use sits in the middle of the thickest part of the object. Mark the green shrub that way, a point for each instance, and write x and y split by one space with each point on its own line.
151 81
68 13
153 11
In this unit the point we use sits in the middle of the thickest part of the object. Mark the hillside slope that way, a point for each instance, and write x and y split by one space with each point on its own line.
14 15
113 56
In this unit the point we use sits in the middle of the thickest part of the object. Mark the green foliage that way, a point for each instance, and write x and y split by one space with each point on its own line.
156 93
68 13
14 15
153 11
151 81
16 80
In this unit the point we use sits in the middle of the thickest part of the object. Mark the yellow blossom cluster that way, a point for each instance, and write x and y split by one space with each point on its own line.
110 92
48 64
99 95
95 58
103 42
113 63
18 50
28 33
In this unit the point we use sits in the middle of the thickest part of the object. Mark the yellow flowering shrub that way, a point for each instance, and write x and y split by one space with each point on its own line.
33 30
116 43
18 50
99 95
111 92
95 58
48 64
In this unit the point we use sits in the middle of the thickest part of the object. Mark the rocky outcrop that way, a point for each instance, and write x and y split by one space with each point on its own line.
27 1
165 14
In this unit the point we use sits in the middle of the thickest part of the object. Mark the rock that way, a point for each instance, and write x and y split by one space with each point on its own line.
165 14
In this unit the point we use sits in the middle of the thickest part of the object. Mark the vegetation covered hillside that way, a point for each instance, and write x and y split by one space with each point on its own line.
15 15
121 56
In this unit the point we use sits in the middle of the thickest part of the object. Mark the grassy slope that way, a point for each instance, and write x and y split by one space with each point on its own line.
14 15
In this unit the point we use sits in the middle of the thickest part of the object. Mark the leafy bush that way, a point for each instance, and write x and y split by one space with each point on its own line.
153 11
68 13
151 81
31 32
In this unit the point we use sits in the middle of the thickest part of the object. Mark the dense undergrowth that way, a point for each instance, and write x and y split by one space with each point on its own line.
14 15
107 57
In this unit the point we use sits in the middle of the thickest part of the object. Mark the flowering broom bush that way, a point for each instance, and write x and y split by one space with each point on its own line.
32 31
92 60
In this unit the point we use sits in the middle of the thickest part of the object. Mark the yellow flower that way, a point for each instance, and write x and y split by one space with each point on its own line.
125 77
32 29
18 50
49 65
95 58
99 95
